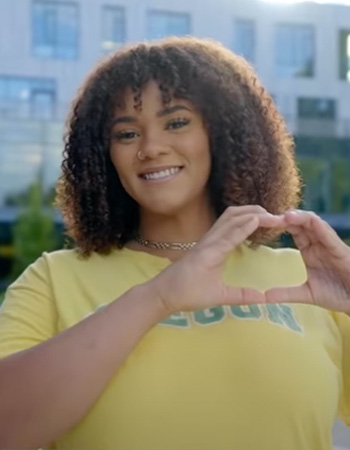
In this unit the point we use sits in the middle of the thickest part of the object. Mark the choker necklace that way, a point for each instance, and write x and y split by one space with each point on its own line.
164 245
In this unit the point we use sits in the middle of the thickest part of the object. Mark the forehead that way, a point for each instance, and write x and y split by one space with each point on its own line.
149 97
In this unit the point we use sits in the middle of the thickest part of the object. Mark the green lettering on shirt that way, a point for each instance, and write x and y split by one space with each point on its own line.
246 311
178 320
209 315
282 315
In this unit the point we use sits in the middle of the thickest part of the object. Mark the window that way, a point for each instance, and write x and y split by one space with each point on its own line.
55 29
162 24
316 117
344 55
244 39
316 108
294 51
27 97
113 26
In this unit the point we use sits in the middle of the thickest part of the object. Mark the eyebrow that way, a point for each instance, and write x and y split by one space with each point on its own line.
164 112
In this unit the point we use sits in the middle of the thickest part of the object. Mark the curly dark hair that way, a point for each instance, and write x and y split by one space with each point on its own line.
251 151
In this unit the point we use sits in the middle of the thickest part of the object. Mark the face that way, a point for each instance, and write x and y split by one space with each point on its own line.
161 153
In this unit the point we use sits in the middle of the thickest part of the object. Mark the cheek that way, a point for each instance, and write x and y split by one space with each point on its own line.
123 165
119 161
112 156
202 153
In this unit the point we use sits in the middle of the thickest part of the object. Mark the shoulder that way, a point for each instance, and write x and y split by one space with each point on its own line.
71 262
73 257
63 262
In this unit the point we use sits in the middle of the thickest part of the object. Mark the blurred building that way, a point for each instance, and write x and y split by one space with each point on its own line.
301 52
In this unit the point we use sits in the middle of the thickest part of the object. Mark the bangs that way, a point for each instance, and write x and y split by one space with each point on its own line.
170 67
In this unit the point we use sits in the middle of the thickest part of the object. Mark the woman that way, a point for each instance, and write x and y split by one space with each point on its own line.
171 325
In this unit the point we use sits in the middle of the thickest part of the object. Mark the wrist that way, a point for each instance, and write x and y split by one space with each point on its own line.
155 294
149 301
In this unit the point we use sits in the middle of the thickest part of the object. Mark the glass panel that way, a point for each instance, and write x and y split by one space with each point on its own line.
316 108
162 24
42 104
19 166
44 19
24 97
178 24
55 29
294 51
244 39
344 55
113 26
3 88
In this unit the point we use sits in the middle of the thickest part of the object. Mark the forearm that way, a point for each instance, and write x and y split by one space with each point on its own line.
45 390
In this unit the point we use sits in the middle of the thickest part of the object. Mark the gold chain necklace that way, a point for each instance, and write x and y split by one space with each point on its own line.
164 245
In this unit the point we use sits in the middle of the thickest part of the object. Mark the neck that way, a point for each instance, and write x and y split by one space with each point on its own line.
189 226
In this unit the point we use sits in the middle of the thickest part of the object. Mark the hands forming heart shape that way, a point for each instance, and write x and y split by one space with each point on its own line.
327 261
194 282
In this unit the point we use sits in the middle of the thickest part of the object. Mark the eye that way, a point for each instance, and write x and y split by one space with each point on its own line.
177 123
125 135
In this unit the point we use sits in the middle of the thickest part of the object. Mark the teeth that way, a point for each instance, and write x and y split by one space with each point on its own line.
161 174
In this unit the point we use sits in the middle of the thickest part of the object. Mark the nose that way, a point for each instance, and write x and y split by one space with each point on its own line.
152 145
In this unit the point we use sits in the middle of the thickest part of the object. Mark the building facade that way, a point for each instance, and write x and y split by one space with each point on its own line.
301 52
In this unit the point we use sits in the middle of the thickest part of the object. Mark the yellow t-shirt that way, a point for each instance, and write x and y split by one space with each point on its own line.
240 378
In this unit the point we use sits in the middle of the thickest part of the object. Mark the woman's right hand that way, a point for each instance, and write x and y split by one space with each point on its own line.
194 282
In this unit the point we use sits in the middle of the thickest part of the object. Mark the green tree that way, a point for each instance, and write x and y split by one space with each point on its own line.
22 198
34 231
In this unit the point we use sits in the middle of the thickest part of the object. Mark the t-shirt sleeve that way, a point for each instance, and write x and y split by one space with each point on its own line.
343 322
28 314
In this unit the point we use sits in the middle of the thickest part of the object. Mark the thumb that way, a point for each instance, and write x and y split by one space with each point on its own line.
243 296
289 294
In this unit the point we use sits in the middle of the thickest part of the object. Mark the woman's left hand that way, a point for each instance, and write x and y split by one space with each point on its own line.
327 261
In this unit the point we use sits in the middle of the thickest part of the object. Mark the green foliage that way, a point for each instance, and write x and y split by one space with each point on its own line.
327 183
312 171
2 295
33 232
341 185
23 198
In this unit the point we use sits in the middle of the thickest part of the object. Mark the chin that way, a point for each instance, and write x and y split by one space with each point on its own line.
163 208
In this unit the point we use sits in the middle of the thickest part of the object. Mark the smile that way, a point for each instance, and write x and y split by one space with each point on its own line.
162 174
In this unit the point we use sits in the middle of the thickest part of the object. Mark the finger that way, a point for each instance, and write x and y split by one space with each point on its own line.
317 230
329 238
224 241
242 296
300 237
272 221
227 229
236 232
224 228
235 211
245 209
307 219
289 294
265 220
